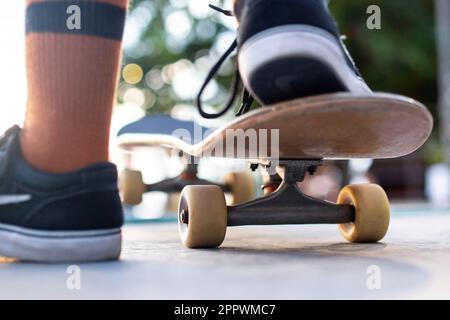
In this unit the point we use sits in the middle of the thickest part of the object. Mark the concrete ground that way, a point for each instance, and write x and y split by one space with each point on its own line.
284 262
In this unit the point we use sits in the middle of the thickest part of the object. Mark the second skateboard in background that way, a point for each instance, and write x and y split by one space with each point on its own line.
154 129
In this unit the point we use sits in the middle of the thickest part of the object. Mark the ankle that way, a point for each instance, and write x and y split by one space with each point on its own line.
44 152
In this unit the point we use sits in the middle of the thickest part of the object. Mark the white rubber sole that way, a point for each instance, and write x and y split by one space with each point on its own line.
297 41
59 246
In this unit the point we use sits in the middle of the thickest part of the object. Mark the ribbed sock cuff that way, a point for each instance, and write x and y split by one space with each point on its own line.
76 17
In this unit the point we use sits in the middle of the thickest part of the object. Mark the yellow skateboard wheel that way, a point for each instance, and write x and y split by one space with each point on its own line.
371 212
242 186
131 186
202 216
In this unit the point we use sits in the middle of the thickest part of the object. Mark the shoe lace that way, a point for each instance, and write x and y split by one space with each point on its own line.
246 100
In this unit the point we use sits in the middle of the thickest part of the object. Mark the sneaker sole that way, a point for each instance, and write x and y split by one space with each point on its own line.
59 246
293 61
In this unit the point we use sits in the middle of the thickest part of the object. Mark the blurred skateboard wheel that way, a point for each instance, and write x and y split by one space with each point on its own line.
131 186
242 186
172 201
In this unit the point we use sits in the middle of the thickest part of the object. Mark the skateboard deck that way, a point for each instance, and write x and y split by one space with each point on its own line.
159 125
335 126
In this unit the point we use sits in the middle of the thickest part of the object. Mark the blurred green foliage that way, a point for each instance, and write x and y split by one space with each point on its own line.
163 52
399 58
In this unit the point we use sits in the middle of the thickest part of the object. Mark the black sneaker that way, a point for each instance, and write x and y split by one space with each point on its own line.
46 217
288 49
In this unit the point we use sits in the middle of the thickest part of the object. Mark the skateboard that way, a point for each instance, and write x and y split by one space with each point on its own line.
153 129
307 131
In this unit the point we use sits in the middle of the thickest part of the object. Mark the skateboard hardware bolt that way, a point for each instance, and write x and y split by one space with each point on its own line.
312 170
295 170
269 188
184 216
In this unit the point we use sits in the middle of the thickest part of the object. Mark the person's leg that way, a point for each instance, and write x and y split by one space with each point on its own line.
59 198
72 76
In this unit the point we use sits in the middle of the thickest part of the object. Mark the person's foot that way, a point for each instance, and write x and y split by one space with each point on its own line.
287 49
290 49
46 217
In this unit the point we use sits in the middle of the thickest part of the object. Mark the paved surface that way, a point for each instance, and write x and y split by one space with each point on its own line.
292 262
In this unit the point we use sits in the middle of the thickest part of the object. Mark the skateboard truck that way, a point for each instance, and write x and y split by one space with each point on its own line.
238 184
187 177
361 211
288 204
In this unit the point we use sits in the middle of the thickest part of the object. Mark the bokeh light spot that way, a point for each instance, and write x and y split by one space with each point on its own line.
132 73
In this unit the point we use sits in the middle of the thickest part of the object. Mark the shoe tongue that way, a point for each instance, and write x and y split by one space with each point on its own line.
9 149
15 164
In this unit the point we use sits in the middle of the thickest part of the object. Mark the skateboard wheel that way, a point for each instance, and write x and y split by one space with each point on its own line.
371 212
242 186
131 186
202 216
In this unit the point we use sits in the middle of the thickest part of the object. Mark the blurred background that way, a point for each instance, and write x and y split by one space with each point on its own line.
170 45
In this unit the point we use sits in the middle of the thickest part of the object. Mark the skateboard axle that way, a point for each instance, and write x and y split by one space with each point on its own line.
187 178
288 205
184 216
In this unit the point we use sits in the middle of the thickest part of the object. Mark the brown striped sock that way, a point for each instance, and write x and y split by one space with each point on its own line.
72 58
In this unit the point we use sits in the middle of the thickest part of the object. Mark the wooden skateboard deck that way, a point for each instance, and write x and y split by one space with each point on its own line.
335 126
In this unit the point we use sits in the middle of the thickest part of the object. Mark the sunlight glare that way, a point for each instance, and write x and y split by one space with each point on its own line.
12 64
